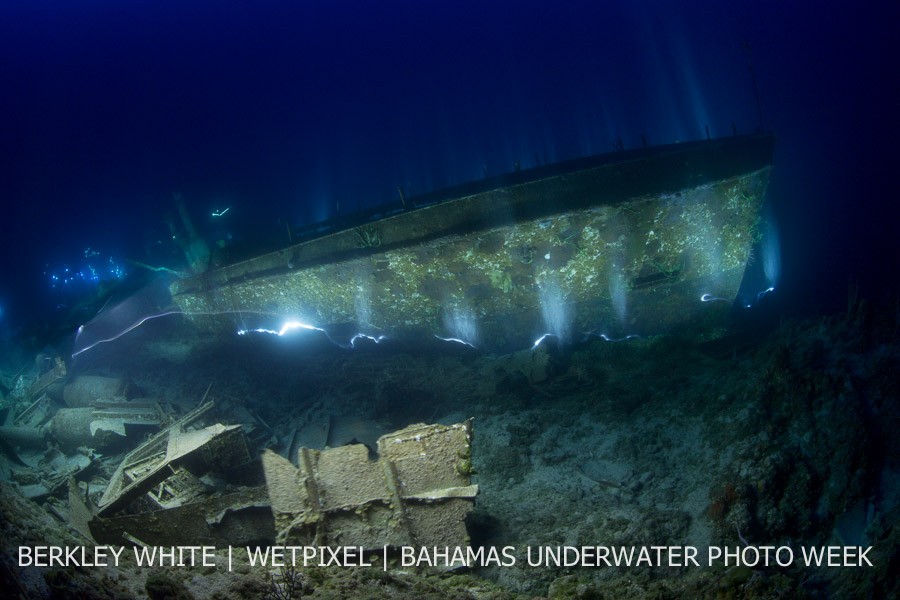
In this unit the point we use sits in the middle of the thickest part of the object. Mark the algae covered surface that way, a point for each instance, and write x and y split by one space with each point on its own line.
655 253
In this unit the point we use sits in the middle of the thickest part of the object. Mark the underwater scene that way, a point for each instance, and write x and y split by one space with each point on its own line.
491 300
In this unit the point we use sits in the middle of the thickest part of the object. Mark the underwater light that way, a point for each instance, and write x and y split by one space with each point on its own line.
456 340
294 325
555 312
606 338
121 332
287 327
86 273
770 249
711 298
220 213
538 341
363 336
462 327
618 292
760 295
759 298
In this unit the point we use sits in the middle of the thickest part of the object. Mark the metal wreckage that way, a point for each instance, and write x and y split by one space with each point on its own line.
657 230
197 483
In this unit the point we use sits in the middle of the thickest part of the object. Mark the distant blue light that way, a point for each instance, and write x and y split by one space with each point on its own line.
86 274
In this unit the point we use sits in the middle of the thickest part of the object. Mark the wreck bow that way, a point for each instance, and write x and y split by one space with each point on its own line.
621 243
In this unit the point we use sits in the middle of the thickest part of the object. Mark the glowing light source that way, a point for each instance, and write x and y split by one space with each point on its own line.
763 293
538 341
606 338
618 293
69 278
286 328
711 298
220 213
363 336
771 250
555 312
121 333
294 325
463 327
455 340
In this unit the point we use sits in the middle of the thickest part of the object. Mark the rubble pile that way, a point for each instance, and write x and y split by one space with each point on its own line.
127 470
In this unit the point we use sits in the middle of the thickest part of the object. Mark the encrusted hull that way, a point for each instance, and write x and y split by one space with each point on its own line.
619 244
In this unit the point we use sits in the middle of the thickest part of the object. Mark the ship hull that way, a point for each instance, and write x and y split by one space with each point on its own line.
617 245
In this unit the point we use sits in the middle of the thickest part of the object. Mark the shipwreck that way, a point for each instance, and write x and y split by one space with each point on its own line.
630 242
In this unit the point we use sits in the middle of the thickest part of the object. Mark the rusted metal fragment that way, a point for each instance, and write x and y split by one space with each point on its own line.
37 413
311 429
238 518
160 493
352 429
49 381
24 437
46 473
154 448
417 492
34 491
104 425
80 509
85 390
211 448
200 450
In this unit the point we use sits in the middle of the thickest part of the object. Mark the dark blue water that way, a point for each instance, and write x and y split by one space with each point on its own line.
287 113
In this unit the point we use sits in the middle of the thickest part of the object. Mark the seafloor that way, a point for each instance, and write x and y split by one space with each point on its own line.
790 441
